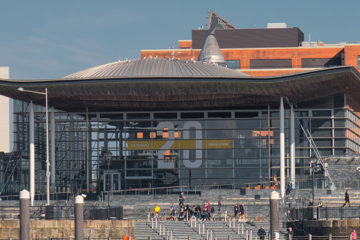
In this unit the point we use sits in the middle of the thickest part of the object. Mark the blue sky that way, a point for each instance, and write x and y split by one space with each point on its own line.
44 39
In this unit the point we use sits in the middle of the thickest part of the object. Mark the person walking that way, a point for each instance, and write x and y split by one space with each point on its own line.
354 235
181 199
261 233
347 198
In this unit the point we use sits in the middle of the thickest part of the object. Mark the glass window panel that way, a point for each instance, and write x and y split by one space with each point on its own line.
322 142
339 113
233 64
319 123
321 113
301 113
138 162
220 173
220 124
247 124
339 122
219 134
325 152
219 163
339 143
138 173
165 115
219 114
116 180
192 115
111 115
321 132
219 154
246 114
247 173
138 116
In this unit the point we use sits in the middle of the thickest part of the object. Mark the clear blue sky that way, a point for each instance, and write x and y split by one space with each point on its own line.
41 39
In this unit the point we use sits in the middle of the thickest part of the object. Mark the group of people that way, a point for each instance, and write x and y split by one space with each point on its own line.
186 211
239 210
320 202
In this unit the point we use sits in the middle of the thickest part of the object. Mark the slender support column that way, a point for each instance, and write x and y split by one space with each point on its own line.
87 151
32 154
79 217
24 215
292 146
282 149
52 160
274 215
47 150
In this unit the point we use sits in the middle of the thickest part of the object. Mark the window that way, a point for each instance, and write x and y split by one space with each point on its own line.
270 63
233 64
320 62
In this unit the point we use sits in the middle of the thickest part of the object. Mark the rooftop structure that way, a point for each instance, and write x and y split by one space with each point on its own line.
270 51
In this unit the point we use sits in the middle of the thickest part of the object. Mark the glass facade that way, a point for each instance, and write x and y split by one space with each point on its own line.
111 151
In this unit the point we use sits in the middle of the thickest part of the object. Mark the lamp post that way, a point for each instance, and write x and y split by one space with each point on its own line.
47 140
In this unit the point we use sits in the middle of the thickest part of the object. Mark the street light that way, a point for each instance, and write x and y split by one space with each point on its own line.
47 140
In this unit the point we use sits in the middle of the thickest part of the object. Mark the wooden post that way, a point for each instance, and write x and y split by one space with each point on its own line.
24 215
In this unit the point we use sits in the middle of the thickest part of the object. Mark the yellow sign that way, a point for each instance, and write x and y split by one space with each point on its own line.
178 144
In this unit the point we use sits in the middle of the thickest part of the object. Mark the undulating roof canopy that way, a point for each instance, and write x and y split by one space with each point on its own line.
113 88
155 67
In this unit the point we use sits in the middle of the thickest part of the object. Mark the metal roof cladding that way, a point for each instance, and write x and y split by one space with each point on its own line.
156 68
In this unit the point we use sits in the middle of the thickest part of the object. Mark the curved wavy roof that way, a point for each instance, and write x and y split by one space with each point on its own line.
161 93
156 67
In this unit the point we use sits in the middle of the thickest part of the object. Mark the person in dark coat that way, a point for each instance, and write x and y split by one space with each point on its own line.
347 198
241 209
236 210
261 233
181 199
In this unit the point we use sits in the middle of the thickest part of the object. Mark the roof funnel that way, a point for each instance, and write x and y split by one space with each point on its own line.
210 51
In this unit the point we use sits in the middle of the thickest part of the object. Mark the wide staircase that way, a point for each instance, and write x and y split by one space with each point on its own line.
230 229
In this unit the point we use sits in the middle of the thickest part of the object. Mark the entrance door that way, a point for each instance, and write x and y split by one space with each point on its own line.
112 181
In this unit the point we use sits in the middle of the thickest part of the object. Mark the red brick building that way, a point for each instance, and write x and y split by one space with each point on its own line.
265 51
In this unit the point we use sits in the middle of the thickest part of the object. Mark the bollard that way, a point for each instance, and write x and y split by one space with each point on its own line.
191 222
79 217
189 237
199 228
24 215
330 236
242 229
229 222
211 235
152 223
225 216
149 217
274 215
310 236
238 230
156 222
195 222
247 235
203 229
207 234
160 229
251 234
